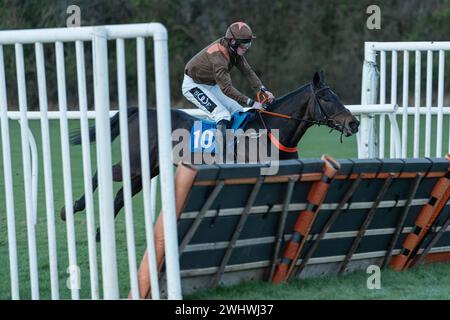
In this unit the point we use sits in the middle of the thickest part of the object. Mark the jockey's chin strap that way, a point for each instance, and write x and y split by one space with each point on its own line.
326 120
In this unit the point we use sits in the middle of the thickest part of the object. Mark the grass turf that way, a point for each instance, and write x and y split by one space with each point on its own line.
427 282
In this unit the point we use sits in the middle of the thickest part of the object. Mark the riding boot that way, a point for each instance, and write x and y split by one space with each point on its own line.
227 142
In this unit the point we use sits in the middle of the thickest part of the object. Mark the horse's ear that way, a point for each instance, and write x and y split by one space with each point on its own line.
322 76
316 80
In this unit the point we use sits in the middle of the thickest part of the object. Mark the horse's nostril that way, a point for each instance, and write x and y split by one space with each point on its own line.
354 125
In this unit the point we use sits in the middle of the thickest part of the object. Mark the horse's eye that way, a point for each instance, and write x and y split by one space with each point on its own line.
326 99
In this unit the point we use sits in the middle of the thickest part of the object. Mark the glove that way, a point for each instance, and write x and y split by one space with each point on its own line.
254 104
269 94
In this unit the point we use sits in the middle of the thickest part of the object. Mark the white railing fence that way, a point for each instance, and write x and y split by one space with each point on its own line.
65 39
372 139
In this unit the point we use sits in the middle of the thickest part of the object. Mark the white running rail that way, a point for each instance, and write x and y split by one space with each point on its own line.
63 39
379 58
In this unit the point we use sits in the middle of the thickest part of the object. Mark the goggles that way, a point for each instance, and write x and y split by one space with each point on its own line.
244 43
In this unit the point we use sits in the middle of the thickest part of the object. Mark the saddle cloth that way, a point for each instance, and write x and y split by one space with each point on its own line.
203 131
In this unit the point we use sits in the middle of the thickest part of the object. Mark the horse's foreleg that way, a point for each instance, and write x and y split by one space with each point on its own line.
136 186
80 204
154 172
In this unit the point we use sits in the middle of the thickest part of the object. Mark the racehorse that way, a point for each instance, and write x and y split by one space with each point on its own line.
312 104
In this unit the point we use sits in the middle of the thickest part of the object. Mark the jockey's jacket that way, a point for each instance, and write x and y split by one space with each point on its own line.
212 66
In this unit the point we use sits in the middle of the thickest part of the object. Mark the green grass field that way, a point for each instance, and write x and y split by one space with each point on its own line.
430 281
435 279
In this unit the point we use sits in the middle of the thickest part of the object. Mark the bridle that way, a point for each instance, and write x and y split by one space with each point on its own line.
326 119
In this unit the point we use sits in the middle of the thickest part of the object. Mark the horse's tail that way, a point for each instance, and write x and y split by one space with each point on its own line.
75 137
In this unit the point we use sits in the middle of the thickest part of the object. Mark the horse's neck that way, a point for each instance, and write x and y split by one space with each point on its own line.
296 105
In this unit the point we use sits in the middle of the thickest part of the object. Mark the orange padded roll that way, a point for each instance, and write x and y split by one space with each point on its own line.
184 178
305 220
442 203
291 249
280 273
426 217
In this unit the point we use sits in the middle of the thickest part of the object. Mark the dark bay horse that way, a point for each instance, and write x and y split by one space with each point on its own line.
314 103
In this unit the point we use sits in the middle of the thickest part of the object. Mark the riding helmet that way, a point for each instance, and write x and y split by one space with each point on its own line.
239 31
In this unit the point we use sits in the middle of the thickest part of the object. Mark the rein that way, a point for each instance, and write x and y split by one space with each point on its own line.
272 138
284 116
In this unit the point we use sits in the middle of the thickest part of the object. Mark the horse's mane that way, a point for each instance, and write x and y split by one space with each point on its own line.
282 99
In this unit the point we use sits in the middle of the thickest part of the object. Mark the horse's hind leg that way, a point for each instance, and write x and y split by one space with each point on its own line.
80 204
136 186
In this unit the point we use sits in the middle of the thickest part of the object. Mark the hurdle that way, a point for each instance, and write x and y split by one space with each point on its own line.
363 211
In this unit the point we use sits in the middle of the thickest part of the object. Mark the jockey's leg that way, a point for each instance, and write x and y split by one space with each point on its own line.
231 105
227 140
204 98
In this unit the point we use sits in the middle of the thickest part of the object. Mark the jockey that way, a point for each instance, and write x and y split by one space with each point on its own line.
207 80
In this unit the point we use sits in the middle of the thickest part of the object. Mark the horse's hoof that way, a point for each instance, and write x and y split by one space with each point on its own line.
63 213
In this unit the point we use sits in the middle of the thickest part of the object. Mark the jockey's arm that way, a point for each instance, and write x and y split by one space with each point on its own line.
223 80
249 74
